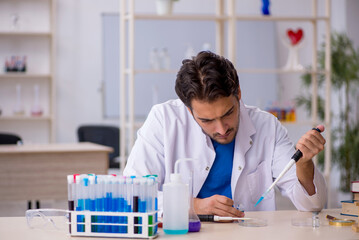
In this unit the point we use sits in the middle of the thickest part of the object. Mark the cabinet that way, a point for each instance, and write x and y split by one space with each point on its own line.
27 28
225 18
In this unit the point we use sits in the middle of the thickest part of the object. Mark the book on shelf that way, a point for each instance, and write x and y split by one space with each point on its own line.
356 196
350 208
355 186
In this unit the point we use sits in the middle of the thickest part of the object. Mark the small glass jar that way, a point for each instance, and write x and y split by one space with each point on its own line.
315 220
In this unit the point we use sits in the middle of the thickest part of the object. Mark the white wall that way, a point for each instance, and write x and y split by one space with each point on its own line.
79 58
79 64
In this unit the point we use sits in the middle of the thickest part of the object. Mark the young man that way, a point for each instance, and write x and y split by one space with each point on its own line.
238 150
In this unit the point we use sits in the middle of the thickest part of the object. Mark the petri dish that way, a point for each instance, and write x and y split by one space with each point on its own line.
306 222
254 222
302 222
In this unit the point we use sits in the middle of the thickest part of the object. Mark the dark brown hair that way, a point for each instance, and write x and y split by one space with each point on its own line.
206 77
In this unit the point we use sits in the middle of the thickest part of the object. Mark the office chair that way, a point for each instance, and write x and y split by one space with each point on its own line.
104 135
9 138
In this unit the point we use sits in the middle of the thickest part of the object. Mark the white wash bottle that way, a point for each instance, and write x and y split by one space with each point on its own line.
175 205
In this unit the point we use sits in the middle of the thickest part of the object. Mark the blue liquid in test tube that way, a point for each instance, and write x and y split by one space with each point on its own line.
122 204
115 203
150 203
108 202
80 203
86 193
128 199
154 198
92 196
135 202
100 202
142 200
86 196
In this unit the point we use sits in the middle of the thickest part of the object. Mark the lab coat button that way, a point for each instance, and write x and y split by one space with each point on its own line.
239 168
250 142
207 168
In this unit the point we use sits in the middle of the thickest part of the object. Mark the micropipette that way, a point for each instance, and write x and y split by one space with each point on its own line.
215 218
297 155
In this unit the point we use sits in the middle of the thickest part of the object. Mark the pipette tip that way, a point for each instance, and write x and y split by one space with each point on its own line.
259 201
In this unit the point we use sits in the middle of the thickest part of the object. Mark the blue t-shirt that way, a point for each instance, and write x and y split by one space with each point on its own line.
219 178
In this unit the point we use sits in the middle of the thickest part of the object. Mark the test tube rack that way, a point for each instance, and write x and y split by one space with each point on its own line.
96 224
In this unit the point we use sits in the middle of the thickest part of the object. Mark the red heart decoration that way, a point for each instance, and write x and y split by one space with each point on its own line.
295 37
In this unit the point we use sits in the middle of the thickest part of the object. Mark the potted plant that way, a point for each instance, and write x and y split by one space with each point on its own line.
345 83
164 7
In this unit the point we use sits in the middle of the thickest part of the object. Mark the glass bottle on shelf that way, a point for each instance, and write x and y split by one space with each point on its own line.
206 46
189 52
165 60
154 59
36 109
19 107
15 19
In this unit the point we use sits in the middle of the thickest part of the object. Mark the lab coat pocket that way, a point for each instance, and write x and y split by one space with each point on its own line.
259 180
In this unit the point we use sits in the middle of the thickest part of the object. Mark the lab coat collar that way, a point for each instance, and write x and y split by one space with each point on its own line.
243 143
247 127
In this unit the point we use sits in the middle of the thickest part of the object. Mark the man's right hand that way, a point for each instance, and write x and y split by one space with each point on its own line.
216 205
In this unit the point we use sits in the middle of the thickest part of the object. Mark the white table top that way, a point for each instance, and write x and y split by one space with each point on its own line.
279 227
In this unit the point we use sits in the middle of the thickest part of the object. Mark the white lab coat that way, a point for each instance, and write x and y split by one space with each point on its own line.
262 149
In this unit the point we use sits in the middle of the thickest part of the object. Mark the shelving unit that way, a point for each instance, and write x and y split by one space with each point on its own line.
26 34
128 16
24 76
33 37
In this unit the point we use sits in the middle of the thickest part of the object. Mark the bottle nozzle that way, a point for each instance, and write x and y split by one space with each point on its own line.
179 161
175 177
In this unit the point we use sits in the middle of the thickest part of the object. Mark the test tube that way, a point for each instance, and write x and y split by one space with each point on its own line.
109 200
155 195
143 195
86 193
70 196
70 193
100 202
106 195
142 201
75 191
92 197
80 203
115 203
92 193
128 195
135 202
150 203
122 204
128 198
